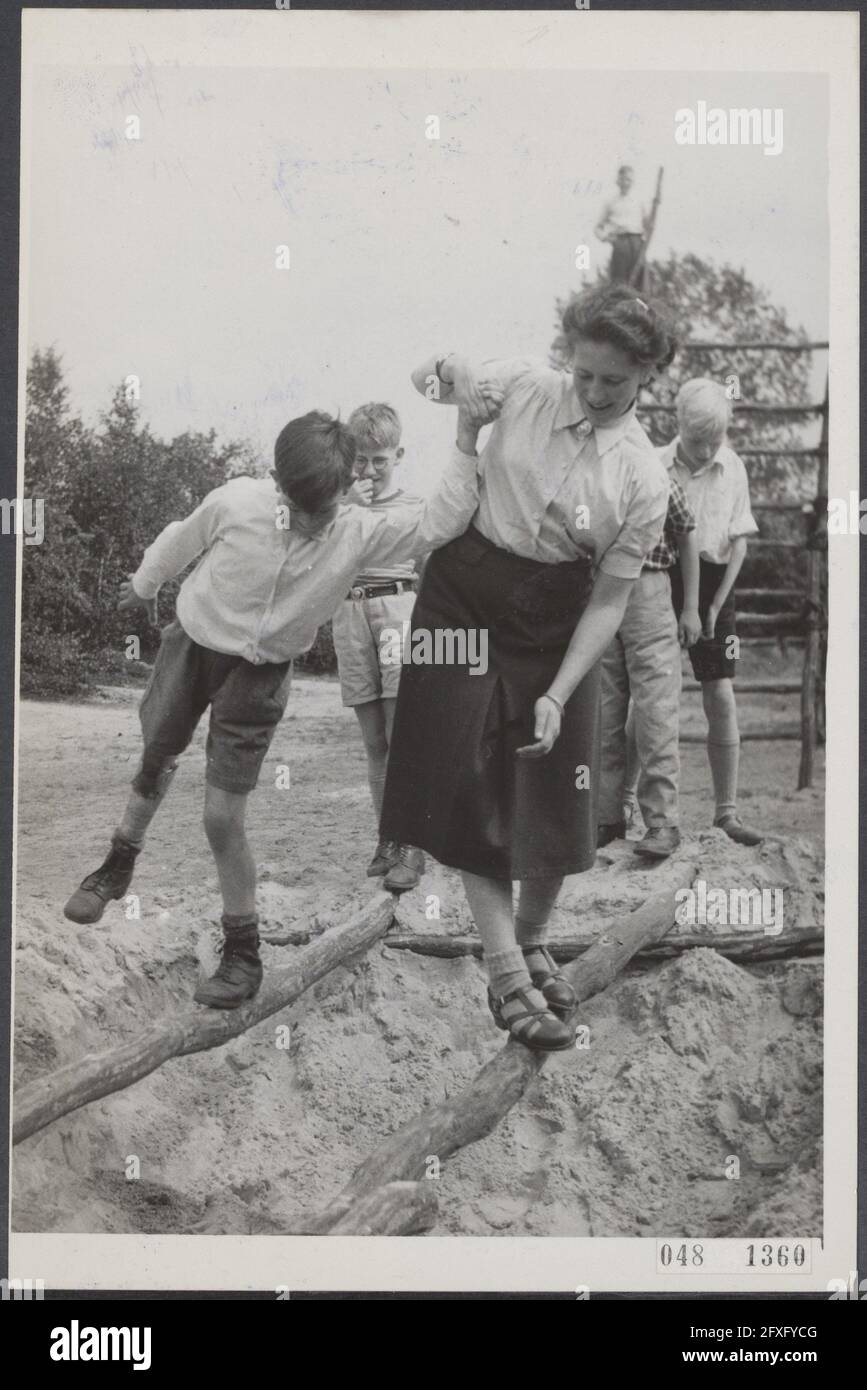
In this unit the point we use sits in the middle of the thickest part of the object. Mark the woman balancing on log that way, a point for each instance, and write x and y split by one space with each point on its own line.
492 767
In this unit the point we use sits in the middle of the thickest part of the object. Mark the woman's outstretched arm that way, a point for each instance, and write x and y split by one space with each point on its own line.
596 627
451 379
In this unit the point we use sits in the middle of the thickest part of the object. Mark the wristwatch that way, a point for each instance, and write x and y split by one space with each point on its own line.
439 368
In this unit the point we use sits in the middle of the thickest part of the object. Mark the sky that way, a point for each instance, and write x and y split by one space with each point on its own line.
157 256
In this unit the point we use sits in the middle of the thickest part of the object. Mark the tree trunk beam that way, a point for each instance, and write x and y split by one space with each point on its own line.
452 1124
767 734
395 1209
740 945
196 1029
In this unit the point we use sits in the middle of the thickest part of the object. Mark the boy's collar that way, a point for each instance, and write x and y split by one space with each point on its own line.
702 468
315 536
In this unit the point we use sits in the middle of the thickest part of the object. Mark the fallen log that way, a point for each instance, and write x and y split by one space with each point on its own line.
739 945
452 1124
768 734
396 1209
196 1029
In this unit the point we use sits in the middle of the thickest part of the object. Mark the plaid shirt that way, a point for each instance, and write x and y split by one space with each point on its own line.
679 520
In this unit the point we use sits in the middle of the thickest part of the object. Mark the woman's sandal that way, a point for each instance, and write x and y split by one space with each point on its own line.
539 1029
556 988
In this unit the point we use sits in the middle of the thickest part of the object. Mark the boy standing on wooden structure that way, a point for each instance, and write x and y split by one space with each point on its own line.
715 482
276 557
624 224
380 601
643 661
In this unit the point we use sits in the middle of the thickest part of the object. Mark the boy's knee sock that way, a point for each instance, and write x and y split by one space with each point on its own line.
724 759
241 930
121 839
507 970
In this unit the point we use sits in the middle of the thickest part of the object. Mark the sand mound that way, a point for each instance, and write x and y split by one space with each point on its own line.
694 1108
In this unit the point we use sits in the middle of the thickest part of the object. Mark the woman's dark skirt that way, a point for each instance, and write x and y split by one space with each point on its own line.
455 786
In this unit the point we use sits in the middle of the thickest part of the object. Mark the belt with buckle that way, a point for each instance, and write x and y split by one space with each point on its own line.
399 586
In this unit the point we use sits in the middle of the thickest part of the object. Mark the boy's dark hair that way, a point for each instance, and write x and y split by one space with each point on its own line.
313 459
617 314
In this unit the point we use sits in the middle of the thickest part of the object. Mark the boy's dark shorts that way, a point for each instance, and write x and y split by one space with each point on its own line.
708 655
247 703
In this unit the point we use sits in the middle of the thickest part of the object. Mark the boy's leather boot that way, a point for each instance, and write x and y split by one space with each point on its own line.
238 976
406 871
109 881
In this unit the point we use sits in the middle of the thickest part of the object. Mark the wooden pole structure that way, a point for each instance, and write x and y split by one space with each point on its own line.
637 276
740 945
197 1029
396 1209
469 1116
816 544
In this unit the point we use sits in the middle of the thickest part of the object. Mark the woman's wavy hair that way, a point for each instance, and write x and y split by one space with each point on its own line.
617 315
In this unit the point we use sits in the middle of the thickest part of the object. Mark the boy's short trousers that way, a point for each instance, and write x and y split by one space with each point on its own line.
361 642
708 657
247 703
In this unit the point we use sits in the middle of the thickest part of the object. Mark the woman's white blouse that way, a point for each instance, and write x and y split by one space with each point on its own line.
553 488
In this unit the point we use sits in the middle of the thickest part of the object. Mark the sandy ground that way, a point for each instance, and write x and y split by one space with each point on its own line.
690 1062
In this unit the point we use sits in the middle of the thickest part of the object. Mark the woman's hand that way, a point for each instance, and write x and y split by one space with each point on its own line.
471 421
547 724
480 397
689 627
128 598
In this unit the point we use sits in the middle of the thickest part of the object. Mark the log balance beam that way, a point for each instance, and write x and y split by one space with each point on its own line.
454 1123
196 1029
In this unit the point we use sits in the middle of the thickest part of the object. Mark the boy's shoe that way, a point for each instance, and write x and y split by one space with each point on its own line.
238 976
406 871
737 831
606 833
109 881
659 842
387 852
559 994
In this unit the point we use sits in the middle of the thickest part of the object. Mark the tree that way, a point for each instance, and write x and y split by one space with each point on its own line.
709 303
107 494
54 603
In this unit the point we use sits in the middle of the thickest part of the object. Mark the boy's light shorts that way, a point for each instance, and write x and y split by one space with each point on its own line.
360 642
247 703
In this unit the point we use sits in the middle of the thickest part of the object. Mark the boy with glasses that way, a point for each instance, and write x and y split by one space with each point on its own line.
379 602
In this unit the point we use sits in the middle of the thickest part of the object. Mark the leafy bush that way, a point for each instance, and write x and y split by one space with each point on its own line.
321 658
51 664
108 493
